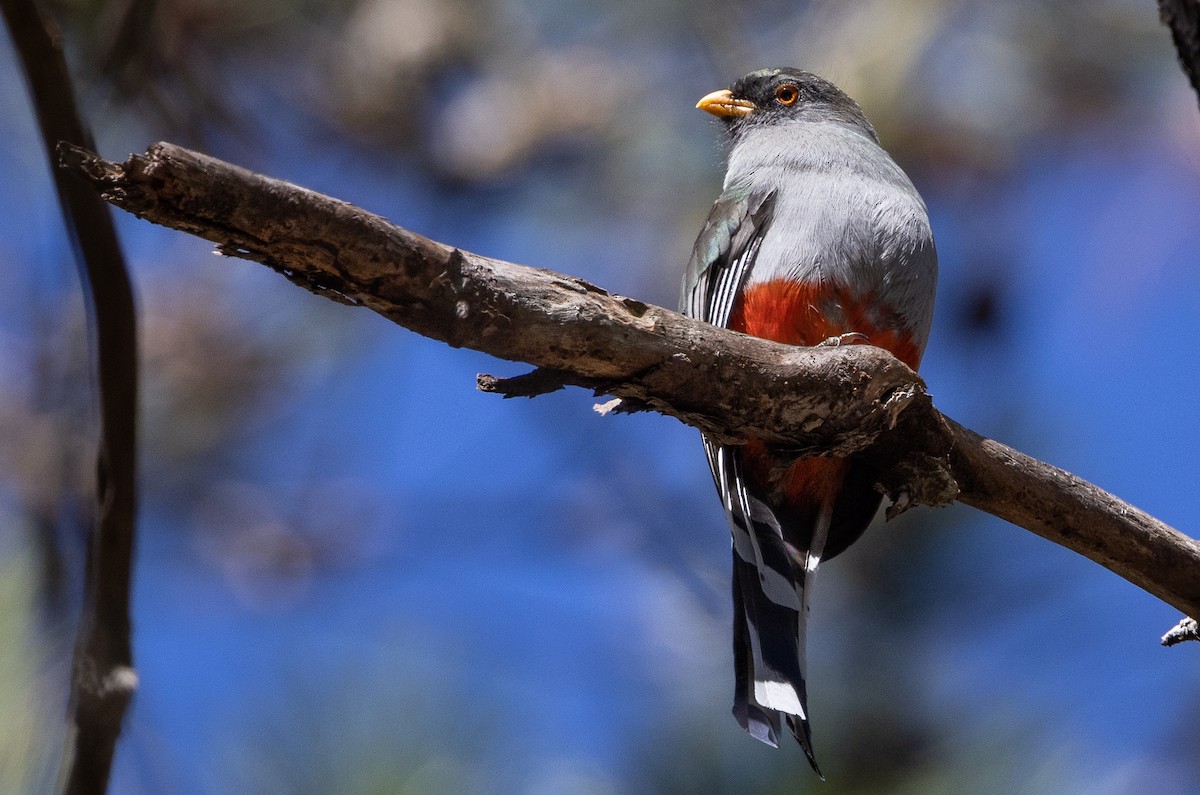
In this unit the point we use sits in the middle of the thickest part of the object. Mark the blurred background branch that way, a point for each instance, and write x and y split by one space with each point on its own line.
103 678
1183 18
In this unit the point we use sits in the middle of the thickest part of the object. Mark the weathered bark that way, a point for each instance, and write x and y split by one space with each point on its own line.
1187 629
832 400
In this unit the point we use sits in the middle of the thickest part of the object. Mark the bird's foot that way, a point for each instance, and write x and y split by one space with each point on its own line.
852 338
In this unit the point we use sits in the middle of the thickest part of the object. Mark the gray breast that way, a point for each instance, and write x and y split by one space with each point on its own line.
845 215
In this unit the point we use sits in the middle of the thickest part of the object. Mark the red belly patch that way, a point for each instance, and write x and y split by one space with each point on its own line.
797 313
800 313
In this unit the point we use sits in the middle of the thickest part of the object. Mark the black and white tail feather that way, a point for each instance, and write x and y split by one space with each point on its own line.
771 577
771 582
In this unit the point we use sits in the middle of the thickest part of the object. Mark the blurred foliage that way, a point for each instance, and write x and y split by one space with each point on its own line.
559 133
27 725
482 89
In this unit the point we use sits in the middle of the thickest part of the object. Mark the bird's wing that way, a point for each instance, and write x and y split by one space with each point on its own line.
768 575
723 254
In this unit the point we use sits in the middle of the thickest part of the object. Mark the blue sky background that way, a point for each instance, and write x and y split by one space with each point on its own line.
358 574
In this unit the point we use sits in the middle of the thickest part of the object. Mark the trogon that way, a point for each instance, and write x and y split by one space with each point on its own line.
817 238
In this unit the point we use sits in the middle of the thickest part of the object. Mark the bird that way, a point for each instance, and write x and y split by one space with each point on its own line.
817 238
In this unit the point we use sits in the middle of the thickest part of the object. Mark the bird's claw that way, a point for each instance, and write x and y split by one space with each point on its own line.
852 338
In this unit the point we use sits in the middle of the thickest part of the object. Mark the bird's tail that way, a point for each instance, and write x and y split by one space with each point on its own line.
771 581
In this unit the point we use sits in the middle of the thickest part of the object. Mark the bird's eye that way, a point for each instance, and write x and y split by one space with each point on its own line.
787 94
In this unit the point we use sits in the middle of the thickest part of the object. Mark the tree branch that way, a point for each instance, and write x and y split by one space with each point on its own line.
1182 17
831 401
103 678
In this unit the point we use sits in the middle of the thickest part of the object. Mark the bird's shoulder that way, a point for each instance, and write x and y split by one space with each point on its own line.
734 226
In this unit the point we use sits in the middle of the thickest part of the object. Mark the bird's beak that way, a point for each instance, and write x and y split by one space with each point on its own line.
722 103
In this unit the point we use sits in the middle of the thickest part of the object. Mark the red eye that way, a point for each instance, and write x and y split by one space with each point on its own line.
787 93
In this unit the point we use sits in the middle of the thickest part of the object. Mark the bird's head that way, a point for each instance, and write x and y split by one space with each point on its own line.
774 96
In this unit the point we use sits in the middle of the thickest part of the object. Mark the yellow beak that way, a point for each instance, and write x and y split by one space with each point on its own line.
723 103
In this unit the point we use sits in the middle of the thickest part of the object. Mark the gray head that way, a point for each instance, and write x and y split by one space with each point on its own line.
773 96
